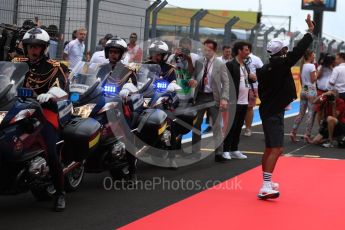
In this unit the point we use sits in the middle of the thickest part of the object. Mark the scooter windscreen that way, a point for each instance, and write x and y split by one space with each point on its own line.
11 77
148 77
83 79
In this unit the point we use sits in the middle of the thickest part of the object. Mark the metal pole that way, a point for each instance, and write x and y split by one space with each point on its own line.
289 23
252 32
282 30
340 46
89 12
15 12
197 24
319 44
292 39
192 23
147 26
141 28
255 42
154 18
62 25
318 19
227 30
330 46
148 18
264 47
94 26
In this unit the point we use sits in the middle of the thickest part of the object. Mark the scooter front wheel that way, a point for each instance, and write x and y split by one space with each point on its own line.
74 178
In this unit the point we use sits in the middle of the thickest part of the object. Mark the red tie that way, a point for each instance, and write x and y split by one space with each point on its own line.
204 77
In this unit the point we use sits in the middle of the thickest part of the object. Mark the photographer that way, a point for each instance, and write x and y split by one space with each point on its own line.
333 122
184 61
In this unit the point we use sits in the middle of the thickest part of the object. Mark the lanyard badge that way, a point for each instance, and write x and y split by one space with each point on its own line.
245 73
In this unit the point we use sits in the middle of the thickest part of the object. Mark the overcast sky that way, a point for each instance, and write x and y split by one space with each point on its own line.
333 24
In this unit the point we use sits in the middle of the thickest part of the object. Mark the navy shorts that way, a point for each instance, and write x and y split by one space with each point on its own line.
274 130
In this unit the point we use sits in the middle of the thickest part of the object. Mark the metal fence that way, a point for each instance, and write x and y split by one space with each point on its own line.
118 17
122 17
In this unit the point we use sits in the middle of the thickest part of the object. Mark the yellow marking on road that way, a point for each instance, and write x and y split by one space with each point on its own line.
249 152
312 156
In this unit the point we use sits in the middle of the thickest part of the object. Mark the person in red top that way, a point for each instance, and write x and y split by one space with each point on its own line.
333 124
134 50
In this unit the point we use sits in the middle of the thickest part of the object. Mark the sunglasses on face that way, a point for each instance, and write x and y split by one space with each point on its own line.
34 46
114 51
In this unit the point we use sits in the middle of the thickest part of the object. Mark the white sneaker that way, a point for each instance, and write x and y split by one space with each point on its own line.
226 155
275 186
267 192
238 155
247 132
328 144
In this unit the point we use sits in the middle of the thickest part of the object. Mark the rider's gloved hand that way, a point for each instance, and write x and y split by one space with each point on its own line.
44 97
124 93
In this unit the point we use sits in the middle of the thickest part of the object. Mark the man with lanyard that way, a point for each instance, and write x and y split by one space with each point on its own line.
253 62
47 78
240 73
211 94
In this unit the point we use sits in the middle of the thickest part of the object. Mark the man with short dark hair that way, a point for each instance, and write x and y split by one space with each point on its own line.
254 63
53 43
276 91
337 80
212 87
134 51
226 57
240 73
74 51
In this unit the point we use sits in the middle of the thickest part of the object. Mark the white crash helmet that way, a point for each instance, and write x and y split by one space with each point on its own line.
36 36
117 43
159 47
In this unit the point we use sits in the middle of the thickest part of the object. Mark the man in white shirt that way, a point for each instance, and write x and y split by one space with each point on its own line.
135 53
212 86
337 80
254 62
240 74
226 54
74 50
99 56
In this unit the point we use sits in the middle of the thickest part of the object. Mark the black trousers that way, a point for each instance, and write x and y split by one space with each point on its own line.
50 137
203 99
232 139
342 96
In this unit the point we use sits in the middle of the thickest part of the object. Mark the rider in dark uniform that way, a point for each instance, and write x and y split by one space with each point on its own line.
43 75
119 74
158 51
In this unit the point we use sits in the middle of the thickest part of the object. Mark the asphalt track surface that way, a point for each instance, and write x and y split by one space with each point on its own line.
94 207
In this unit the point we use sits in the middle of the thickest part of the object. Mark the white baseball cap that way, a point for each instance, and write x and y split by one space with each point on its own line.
276 45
